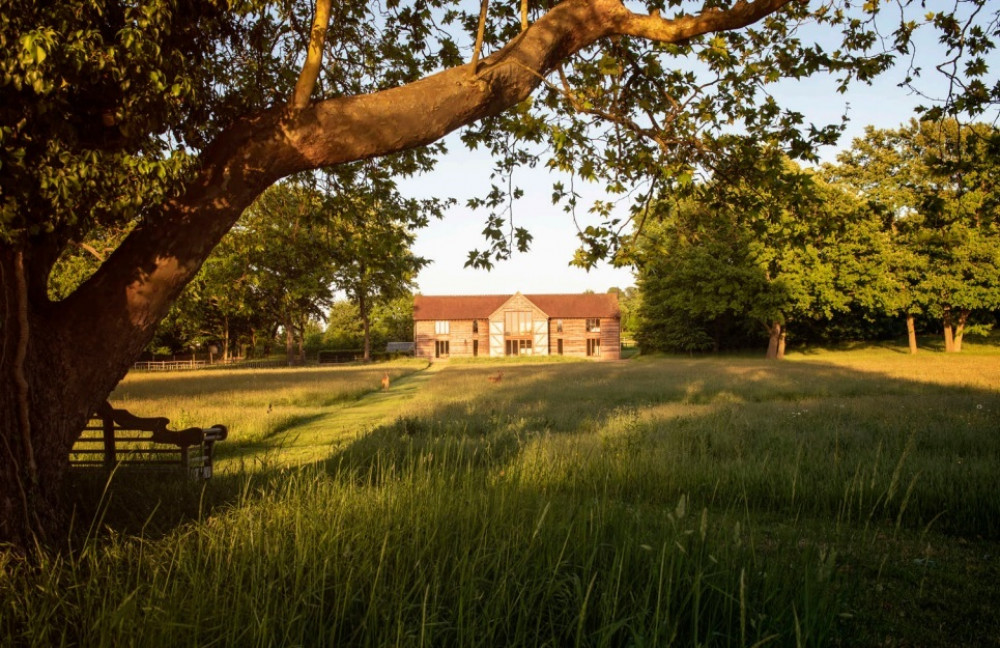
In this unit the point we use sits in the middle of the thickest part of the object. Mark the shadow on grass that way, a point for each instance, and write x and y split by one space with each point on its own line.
972 344
490 427
789 420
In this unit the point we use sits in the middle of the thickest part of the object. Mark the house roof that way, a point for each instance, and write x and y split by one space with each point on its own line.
459 307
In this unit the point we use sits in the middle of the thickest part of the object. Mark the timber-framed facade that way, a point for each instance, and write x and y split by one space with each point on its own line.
491 326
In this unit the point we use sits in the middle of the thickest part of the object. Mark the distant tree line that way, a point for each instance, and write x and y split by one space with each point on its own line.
901 234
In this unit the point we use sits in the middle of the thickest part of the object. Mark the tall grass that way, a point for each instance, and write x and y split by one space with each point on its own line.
844 499
422 550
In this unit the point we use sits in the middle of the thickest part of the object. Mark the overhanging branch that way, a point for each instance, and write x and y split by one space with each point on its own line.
147 272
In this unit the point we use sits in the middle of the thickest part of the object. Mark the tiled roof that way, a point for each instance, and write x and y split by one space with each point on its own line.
583 305
459 307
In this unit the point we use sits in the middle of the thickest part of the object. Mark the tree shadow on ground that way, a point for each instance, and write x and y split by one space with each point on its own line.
880 408
485 425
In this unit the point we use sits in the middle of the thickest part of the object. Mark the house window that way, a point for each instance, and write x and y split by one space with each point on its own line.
593 325
441 348
594 347
475 348
558 326
442 327
475 326
518 347
517 323
559 349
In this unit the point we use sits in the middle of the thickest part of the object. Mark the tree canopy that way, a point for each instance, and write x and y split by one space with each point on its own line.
936 185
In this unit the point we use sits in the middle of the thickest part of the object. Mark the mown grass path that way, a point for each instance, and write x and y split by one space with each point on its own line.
323 434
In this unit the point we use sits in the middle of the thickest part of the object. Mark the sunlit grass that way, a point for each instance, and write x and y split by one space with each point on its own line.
286 415
835 499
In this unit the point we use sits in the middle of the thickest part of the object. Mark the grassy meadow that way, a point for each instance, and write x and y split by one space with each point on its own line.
835 499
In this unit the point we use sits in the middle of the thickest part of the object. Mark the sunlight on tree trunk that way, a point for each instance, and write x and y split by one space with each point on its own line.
775 343
949 334
963 316
911 333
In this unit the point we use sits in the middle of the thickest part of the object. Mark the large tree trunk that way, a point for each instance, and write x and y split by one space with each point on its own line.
49 382
949 332
911 333
774 342
71 354
963 317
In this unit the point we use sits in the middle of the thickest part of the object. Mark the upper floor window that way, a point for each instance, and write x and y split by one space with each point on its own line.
517 323
442 327
593 325
558 326
475 326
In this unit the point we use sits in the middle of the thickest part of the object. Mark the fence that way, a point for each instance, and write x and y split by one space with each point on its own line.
169 365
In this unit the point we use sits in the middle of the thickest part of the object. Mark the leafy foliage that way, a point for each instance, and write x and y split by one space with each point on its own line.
769 252
936 185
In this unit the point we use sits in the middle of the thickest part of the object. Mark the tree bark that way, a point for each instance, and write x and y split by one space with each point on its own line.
911 333
774 341
963 317
781 344
44 378
81 347
225 339
949 339
301 331
289 343
366 327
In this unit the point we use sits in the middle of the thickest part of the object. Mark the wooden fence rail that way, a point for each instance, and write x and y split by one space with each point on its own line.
169 365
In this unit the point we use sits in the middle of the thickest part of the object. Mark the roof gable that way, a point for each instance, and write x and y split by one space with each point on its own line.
517 302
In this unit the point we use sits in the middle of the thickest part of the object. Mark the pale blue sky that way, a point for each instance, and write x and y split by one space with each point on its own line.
462 174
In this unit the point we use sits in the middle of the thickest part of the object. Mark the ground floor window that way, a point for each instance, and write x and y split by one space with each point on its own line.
441 348
559 349
475 348
519 347
594 346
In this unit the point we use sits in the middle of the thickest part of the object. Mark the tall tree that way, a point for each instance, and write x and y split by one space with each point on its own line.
171 116
773 252
291 245
376 229
936 185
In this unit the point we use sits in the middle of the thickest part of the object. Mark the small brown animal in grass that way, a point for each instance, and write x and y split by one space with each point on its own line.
385 381
495 379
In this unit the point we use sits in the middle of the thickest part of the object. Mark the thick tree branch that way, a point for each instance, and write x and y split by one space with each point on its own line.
136 285
314 56
654 27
